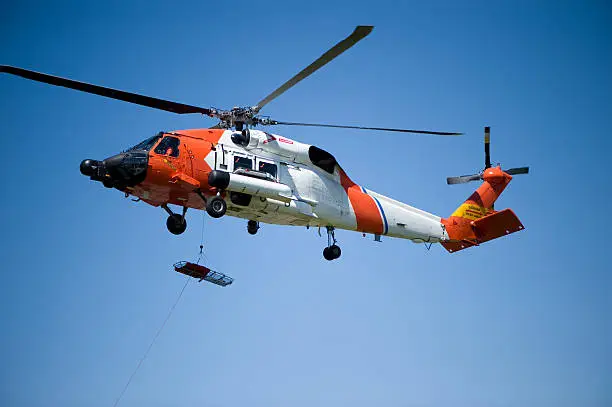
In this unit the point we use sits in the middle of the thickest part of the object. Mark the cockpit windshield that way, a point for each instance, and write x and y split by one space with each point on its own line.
147 144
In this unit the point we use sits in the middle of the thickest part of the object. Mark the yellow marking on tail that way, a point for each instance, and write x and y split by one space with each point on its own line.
471 211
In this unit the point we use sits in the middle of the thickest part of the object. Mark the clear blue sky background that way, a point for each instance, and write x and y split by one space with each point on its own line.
86 274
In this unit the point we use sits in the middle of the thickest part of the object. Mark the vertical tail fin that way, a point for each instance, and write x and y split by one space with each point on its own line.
480 203
475 221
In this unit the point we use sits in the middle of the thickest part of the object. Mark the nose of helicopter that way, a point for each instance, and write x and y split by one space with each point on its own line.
118 171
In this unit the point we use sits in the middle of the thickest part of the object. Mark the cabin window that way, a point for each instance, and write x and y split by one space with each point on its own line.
168 146
268 168
242 162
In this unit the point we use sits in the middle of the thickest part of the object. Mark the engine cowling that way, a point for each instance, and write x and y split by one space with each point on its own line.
293 150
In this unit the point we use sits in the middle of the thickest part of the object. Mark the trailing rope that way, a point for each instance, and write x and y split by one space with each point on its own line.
161 328
152 343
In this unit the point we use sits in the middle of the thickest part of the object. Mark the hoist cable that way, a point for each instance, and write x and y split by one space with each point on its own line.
202 240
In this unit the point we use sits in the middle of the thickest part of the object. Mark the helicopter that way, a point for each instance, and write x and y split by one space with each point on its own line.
235 169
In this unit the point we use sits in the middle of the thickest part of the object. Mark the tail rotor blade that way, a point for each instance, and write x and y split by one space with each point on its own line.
519 170
487 141
463 179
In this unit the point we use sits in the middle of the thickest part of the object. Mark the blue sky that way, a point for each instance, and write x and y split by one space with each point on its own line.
86 274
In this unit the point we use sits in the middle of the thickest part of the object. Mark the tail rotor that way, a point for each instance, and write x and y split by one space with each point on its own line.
478 177
476 221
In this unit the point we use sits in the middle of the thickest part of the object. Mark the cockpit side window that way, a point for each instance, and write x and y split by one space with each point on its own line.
168 146
147 144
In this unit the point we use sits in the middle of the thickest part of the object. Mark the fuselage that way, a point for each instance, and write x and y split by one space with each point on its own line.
271 179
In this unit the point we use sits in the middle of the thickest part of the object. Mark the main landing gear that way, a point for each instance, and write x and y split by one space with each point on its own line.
252 227
176 223
215 206
332 251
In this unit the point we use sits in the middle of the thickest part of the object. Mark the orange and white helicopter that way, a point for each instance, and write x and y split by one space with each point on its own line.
235 169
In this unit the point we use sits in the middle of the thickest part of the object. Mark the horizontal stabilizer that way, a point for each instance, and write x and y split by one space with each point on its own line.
496 225
490 227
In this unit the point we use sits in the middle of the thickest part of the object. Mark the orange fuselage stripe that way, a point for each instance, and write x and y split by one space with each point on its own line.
369 218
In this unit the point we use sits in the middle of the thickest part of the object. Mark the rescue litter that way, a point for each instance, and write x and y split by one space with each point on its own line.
202 273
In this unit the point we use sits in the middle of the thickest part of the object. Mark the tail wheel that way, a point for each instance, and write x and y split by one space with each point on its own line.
335 251
216 207
252 227
332 252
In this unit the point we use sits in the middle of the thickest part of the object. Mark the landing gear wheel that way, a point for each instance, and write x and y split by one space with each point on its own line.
176 224
216 207
335 251
332 252
327 255
252 227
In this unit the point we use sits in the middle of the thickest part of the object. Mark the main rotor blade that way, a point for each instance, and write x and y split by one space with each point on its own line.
463 179
142 100
360 32
519 170
336 126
